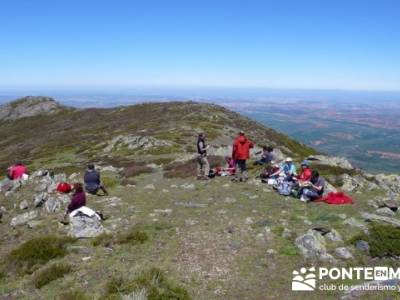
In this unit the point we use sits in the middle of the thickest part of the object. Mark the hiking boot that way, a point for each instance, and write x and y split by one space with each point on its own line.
304 198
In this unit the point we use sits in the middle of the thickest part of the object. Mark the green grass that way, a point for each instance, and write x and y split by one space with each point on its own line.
104 239
38 251
73 295
383 240
153 281
50 274
181 169
133 237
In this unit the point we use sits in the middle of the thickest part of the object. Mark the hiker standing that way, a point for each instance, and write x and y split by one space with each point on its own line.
241 153
203 167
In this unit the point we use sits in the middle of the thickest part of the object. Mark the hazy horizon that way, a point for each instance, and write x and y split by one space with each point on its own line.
108 97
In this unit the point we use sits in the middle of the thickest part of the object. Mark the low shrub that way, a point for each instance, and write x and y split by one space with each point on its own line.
181 169
163 161
152 282
38 251
383 240
72 295
133 236
110 182
134 169
104 239
50 274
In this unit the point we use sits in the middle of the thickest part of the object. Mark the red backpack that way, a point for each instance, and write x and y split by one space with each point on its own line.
64 187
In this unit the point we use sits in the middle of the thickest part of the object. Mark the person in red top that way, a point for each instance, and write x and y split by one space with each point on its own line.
16 171
304 177
241 153
306 172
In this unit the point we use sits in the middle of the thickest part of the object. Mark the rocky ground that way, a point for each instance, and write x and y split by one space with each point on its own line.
169 236
218 239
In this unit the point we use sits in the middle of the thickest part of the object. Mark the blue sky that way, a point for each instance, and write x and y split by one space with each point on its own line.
273 44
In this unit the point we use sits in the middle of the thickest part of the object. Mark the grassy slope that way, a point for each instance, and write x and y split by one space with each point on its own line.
211 250
80 133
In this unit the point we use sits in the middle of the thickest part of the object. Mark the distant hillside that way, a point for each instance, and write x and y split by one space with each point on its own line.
43 131
29 107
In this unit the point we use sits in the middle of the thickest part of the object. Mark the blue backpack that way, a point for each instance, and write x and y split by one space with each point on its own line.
284 188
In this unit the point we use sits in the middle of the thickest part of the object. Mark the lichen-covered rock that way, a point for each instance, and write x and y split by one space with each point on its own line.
39 199
334 161
135 142
28 107
351 184
24 218
83 226
382 219
53 205
23 205
385 211
389 182
362 245
334 236
343 253
312 245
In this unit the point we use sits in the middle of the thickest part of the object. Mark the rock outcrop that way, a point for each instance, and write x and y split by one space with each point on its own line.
28 107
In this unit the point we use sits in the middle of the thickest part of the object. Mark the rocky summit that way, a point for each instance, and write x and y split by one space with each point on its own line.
164 234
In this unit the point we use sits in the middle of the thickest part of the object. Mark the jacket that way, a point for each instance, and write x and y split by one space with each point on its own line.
78 200
17 171
305 174
241 148
92 180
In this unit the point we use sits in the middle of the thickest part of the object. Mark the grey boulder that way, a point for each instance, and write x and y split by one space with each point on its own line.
83 226
23 218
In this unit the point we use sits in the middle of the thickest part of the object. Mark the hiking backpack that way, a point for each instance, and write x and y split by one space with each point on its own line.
64 187
284 188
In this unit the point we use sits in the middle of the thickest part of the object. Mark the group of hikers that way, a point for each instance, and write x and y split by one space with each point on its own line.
92 185
307 186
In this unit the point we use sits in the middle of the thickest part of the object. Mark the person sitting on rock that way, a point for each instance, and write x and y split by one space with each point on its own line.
266 157
241 153
17 171
313 189
92 181
78 202
78 199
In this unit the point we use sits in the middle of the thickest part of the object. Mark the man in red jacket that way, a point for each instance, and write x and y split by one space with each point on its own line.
241 153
